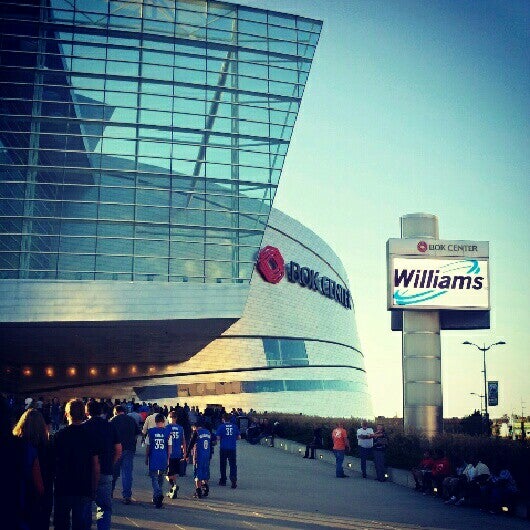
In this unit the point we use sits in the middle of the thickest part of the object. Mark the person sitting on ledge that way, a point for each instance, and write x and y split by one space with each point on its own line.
421 473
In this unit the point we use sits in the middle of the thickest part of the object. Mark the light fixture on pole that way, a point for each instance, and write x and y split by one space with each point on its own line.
484 349
480 396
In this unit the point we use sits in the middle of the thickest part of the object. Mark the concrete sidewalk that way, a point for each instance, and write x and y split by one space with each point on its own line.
280 489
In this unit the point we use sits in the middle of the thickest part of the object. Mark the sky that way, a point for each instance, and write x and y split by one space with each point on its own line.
415 106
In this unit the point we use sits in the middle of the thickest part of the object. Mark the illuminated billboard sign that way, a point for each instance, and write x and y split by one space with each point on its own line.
429 274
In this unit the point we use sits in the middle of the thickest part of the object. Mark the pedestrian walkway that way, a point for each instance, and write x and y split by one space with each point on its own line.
282 490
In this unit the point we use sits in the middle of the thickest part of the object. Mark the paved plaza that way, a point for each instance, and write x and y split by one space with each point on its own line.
282 490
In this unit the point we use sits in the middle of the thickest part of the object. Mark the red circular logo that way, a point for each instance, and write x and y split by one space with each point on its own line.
422 246
271 264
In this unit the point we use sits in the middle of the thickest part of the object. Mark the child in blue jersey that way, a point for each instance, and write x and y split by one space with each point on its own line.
201 445
157 450
228 433
178 450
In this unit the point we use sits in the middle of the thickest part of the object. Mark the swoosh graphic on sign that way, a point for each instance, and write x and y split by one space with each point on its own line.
473 265
405 299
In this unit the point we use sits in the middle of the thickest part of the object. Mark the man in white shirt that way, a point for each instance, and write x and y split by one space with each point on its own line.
365 442
150 421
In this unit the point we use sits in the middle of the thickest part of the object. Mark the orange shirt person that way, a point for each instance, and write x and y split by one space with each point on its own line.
340 444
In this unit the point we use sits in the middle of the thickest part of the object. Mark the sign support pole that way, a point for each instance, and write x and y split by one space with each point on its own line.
422 370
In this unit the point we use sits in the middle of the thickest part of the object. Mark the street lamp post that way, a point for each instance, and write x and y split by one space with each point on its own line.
484 349
480 396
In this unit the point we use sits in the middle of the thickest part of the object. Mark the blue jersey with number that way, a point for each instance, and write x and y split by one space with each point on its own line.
158 443
228 433
176 432
203 445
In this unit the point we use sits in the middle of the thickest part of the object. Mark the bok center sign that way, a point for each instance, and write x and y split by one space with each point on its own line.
438 274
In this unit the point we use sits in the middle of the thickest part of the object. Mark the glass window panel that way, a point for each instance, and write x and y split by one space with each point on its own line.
252 14
77 244
253 41
122 68
114 246
306 24
151 248
116 211
163 103
123 114
152 197
186 269
161 72
253 69
76 262
189 106
92 6
219 171
118 146
283 34
115 229
121 85
114 194
9 260
154 149
190 121
89 51
254 28
158 27
123 54
190 76
155 57
59 15
156 88
218 270
156 268
251 128
149 213
114 263
88 65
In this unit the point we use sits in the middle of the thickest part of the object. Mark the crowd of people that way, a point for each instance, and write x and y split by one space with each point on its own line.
468 481
67 456
64 457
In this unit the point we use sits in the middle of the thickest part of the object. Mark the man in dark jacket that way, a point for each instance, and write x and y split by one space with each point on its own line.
127 430
109 451
76 470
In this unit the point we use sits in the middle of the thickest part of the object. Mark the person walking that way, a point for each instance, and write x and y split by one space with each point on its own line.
340 444
127 430
157 450
31 429
228 433
178 450
380 444
150 421
201 446
76 471
109 451
365 443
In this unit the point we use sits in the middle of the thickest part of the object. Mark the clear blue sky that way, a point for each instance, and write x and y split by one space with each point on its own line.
420 106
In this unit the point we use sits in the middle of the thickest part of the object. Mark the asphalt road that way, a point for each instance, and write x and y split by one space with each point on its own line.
282 490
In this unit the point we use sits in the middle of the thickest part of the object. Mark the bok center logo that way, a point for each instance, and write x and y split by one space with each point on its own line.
422 246
271 264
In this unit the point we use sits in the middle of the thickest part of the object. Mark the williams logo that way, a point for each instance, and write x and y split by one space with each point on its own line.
271 264
439 282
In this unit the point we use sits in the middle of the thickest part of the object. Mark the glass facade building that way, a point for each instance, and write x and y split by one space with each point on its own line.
143 140
141 146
